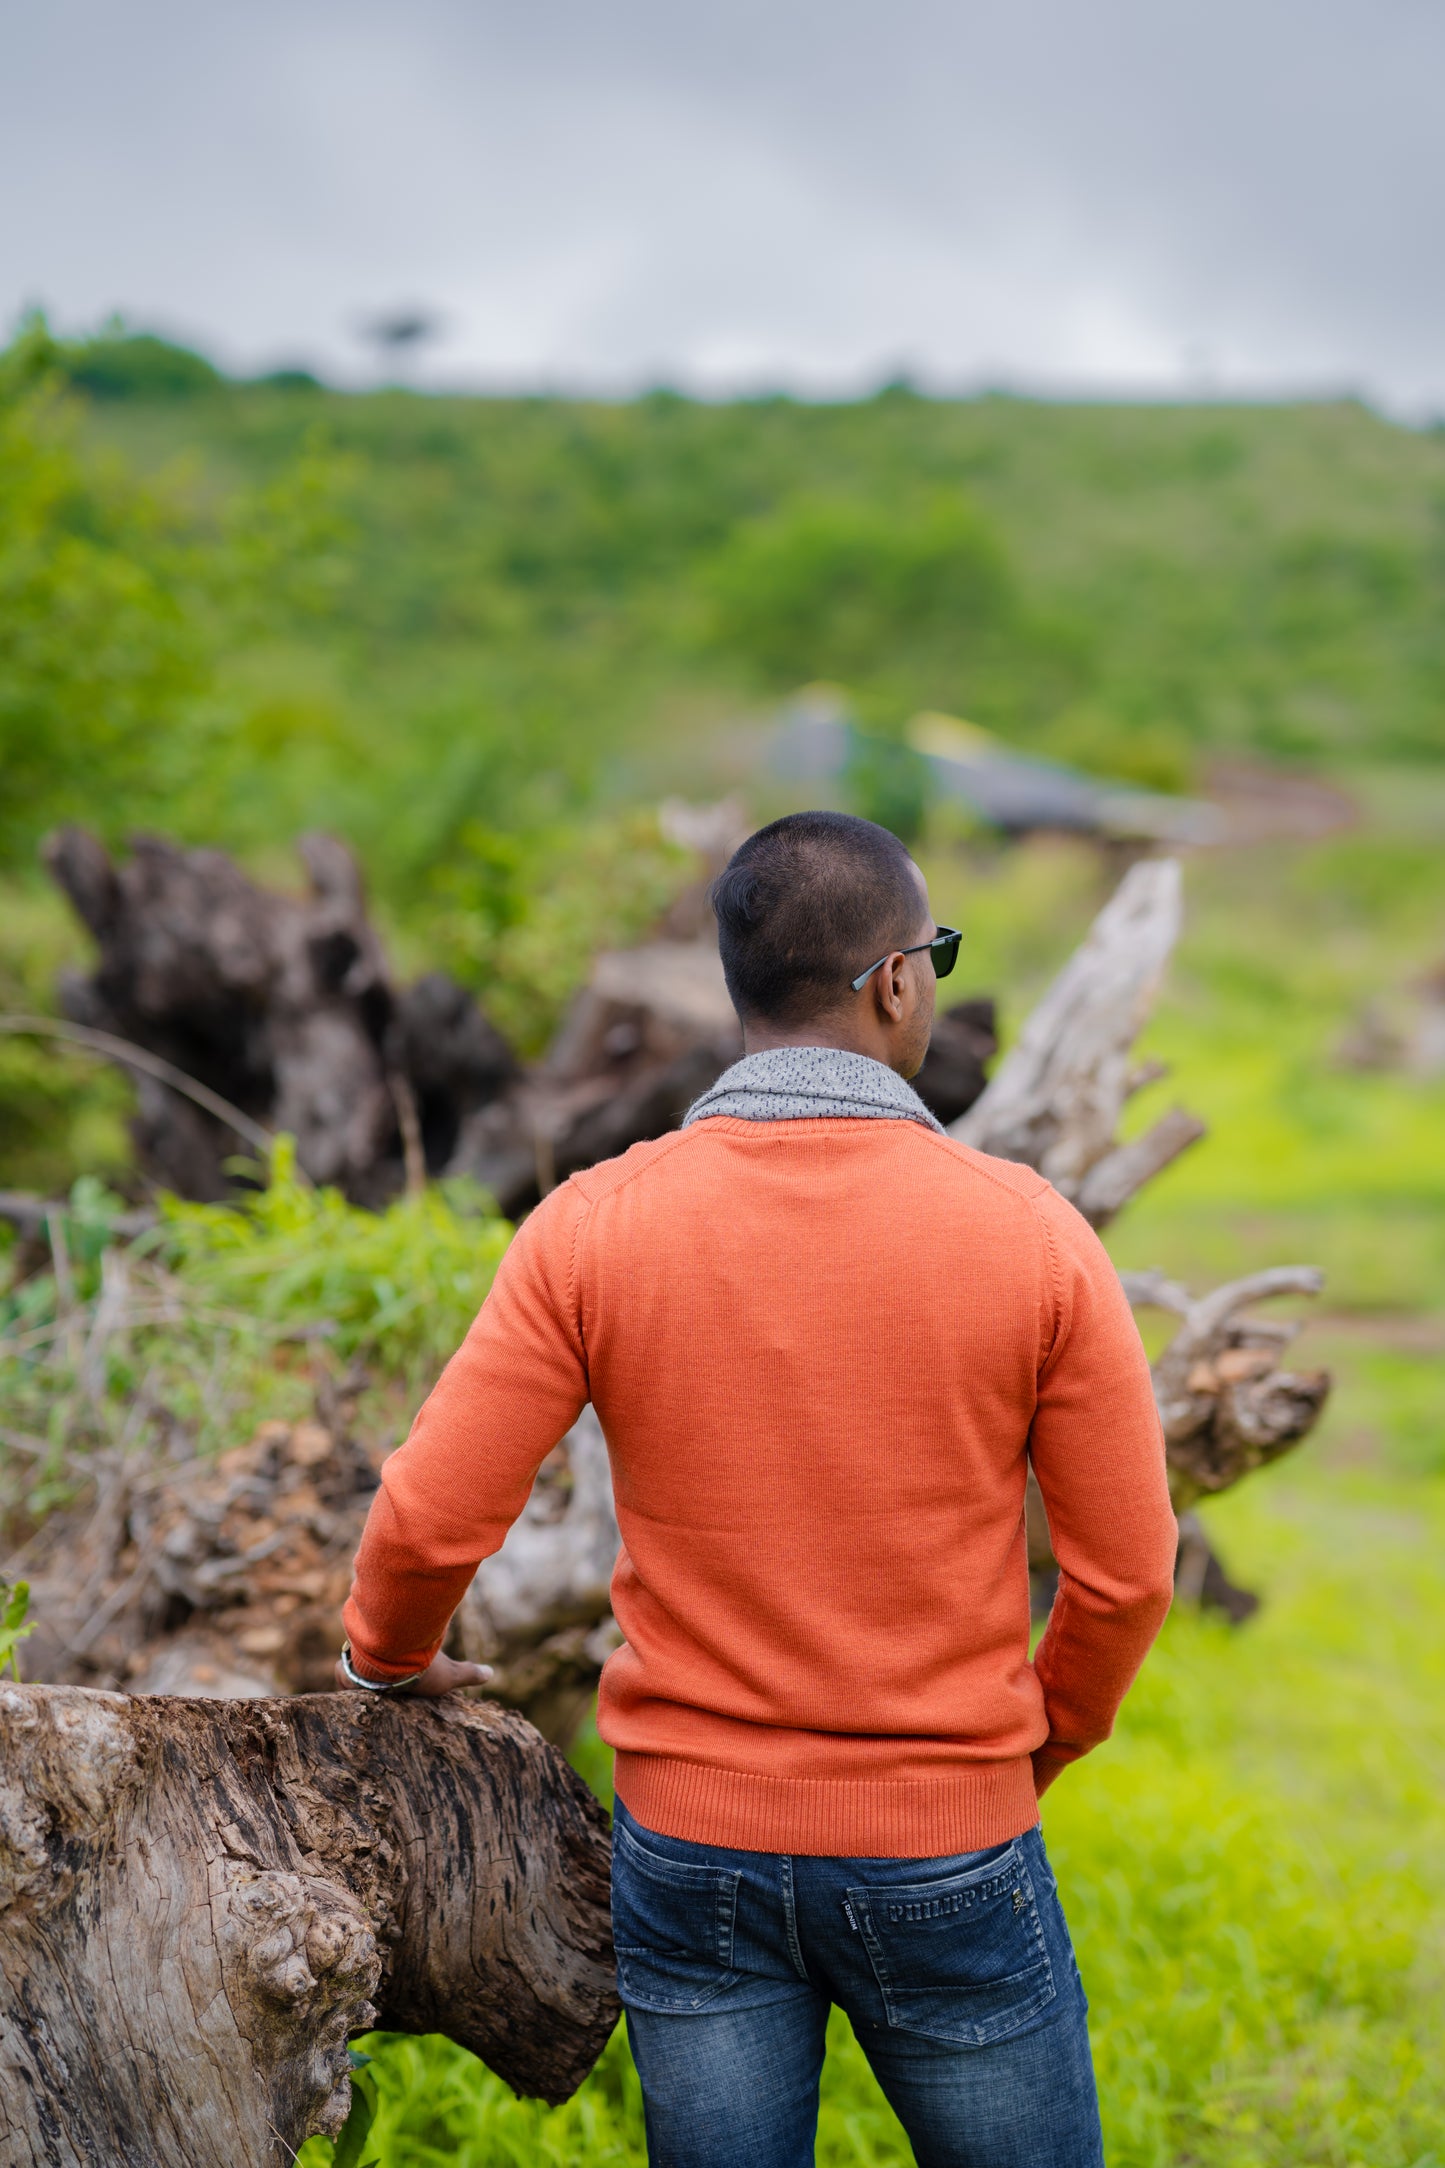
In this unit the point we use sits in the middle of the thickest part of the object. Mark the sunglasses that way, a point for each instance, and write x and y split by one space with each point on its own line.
943 948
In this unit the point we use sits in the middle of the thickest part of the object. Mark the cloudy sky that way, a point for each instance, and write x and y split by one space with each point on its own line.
1126 196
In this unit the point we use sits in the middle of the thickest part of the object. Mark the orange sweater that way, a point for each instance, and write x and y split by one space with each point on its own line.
823 1353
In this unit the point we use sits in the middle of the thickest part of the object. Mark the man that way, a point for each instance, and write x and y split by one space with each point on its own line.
824 1342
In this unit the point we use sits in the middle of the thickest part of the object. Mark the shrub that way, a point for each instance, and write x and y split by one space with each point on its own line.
841 590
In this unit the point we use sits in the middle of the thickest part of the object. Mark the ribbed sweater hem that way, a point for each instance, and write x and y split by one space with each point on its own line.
978 1804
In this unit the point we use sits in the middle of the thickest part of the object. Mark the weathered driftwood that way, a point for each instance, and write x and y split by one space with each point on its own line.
201 1901
1227 1405
539 1611
226 1576
1056 1098
652 1029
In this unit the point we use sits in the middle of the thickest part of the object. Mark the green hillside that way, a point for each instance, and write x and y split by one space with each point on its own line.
398 613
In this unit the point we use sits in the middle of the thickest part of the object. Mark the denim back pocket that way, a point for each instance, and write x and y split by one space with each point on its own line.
960 1957
672 1925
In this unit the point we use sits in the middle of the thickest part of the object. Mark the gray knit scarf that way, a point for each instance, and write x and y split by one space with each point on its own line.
801 1083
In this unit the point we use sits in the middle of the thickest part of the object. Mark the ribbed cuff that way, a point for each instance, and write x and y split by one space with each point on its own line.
978 1804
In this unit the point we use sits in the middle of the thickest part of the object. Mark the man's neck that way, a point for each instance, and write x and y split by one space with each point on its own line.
764 1038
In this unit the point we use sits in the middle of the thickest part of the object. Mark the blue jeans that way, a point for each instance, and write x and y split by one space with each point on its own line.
957 1974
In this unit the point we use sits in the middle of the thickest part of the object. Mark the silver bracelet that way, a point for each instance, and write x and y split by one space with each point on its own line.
371 1686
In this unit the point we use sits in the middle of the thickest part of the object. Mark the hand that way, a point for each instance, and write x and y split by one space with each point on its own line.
443 1675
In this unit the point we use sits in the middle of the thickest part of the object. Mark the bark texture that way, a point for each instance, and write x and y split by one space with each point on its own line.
201 1901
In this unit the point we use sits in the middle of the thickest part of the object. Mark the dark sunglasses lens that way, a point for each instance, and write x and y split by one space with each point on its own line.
945 953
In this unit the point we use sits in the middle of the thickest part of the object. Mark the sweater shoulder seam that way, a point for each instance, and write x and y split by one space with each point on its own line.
1054 1276
975 1161
574 1278
664 1146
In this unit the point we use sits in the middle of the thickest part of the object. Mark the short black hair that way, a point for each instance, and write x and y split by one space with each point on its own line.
805 905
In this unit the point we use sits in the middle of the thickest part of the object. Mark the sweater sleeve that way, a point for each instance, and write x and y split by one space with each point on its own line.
514 1388
1098 1451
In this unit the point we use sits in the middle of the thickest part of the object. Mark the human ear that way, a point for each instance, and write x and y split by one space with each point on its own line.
891 987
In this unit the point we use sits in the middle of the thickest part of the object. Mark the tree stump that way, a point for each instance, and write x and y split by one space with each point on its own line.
201 1900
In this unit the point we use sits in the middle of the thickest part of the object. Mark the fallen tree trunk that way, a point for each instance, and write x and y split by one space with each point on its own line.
224 1576
201 1901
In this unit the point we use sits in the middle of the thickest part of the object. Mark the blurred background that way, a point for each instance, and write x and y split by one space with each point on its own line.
533 446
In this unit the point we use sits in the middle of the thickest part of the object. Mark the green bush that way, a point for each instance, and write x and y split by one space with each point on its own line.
400 1286
98 650
844 590
551 605
136 365
519 918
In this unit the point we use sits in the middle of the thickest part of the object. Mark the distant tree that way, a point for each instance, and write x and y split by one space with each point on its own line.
399 335
397 328
136 365
289 379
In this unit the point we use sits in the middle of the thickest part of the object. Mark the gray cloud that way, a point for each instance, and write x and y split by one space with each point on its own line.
1132 196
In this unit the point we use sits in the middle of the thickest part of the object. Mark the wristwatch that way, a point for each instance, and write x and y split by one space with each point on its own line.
372 1686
